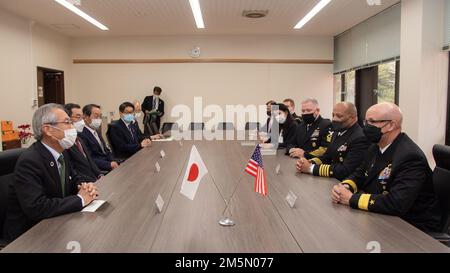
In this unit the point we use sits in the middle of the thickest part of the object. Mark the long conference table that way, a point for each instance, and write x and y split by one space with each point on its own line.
131 222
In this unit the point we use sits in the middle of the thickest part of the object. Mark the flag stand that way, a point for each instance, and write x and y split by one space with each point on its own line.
227 221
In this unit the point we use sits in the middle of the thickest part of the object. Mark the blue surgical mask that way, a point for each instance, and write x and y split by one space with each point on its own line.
128 118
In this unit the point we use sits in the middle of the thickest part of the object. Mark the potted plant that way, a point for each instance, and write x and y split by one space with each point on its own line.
25 134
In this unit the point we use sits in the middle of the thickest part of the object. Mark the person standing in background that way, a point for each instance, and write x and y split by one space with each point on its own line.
153 107
291 105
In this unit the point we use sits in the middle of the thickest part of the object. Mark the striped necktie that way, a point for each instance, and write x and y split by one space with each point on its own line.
62 174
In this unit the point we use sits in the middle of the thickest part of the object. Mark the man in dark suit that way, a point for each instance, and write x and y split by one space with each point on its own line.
80 156
44 184
97 147
347 148
395 177
291 106
153 107
313 135
126 138
267 128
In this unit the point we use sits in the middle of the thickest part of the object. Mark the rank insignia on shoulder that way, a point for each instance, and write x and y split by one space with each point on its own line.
343 148
329 136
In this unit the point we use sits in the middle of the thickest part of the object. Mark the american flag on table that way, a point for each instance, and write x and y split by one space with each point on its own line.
256 169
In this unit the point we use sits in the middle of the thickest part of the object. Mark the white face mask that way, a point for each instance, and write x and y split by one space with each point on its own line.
96 123
70 136
79 126
281 119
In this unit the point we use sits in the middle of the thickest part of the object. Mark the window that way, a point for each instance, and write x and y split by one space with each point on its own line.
337 86
386 82
344 87
350 87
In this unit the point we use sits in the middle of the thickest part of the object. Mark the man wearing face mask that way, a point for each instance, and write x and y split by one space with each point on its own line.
395 177
153 107
291 106
126 138
44 183
346 150
93 139
313 134
80 156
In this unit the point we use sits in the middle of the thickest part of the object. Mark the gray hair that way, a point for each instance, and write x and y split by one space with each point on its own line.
311 100
44 114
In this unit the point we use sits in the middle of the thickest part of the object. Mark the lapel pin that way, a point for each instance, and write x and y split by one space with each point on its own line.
52 164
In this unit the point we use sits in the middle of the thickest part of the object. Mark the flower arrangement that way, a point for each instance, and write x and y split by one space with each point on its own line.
24 133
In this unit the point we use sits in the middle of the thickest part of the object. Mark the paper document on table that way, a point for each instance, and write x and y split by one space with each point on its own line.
94 205
164 139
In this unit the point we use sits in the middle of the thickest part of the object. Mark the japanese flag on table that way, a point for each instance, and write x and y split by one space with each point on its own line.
195 171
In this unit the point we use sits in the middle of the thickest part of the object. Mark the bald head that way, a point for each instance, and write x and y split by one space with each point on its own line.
386 111
348 108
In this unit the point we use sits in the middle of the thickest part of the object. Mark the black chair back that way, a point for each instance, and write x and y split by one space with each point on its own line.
225 126
169 126
197 126
252 126
108 138
441 182
8 160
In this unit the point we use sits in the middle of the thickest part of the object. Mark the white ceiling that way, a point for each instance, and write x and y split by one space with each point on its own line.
174 17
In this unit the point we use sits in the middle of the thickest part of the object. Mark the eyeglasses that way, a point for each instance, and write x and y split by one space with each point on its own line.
67 122
370 122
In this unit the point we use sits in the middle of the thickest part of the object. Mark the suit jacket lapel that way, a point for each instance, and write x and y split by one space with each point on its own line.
88 156
50 164
126 130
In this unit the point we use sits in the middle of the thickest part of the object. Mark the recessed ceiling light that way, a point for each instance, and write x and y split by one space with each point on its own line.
255 14
82 14
312 13
196 10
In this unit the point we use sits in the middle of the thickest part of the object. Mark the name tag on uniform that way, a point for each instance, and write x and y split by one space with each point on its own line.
343 148
316 133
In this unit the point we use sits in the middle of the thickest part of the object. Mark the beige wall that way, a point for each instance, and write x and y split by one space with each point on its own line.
219 84
423 73
24 46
